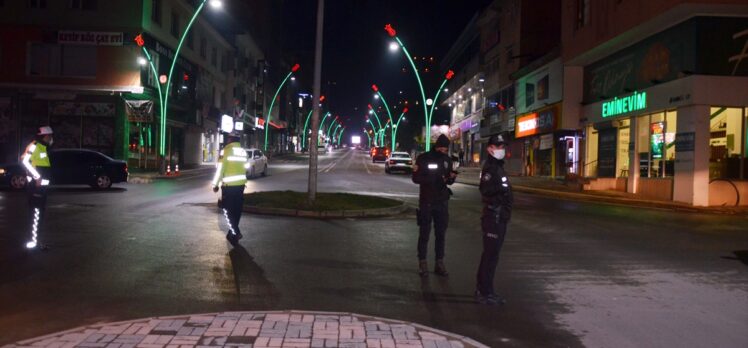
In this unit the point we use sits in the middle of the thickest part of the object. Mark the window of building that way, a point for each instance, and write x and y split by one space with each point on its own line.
37 3
656 138
62 60
190 39
86 5
175 27
203 47
583 13
156 11
214 57
728 143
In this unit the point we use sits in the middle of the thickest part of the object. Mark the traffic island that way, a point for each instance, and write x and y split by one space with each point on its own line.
327 205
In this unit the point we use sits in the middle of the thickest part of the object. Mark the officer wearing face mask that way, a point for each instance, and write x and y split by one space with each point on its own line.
497 199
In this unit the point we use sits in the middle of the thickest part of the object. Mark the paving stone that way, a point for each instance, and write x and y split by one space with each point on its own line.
255 330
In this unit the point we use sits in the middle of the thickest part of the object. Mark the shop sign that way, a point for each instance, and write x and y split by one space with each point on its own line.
139 110
93 38
536 123
684 142
81 109
657 142
259 123
546 142
618 106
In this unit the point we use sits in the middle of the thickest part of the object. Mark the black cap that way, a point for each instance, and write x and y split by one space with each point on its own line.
496 140
442 141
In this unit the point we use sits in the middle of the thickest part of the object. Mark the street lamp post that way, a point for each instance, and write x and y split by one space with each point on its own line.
395 128
306 124
341 134
381 128
272 103
164 94
374 129
426 113
335 131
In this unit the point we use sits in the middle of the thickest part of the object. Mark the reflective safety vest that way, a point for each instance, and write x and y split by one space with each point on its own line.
36 157
232 169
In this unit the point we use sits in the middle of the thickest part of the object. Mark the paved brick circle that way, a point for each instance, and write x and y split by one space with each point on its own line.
254 329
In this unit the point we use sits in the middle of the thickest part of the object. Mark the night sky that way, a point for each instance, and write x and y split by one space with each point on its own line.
356 52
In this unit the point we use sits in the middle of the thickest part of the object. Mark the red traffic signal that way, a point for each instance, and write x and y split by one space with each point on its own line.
295 67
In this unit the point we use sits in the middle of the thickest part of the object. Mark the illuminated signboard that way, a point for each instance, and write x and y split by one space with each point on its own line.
536 123
618 106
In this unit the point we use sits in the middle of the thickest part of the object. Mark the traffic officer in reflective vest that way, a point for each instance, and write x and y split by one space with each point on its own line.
231 177
433 172
497 200
36 161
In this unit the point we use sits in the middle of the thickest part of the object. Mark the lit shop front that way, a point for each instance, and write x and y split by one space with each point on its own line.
547 150
666 118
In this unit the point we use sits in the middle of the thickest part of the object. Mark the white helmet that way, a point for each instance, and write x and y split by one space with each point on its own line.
46 130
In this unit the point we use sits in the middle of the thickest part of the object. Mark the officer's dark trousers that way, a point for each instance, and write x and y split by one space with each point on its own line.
439 214
37 196
494 231
232 198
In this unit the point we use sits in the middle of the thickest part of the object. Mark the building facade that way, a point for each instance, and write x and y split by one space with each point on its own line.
76 66
661 97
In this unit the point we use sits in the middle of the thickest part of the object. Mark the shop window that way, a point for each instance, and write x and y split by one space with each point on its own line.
156 11
622 148
727 143
656 138
62 60
590 165
175 24
86 5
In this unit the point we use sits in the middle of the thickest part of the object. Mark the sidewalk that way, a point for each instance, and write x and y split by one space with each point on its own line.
560 189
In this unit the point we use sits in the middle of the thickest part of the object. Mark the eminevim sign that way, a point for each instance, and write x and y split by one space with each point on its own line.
633 102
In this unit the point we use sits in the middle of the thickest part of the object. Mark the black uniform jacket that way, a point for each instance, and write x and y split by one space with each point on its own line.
495 189
432 174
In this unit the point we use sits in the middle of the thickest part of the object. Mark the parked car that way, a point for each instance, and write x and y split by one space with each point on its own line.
380 153
257 162
398 161
72 167
321 149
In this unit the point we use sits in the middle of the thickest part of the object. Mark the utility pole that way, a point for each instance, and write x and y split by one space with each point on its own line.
315 106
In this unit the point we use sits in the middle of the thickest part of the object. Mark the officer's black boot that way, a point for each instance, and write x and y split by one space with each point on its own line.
440 269
423 268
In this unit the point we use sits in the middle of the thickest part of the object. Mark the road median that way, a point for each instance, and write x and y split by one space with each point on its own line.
329 205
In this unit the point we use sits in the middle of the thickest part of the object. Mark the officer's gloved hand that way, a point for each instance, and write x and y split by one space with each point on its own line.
215 188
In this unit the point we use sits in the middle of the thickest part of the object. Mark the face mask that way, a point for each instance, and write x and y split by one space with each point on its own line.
499 154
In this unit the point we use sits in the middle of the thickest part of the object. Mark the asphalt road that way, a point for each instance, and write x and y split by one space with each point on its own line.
574 273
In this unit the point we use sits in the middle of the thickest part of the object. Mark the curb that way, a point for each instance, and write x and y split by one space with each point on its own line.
330 214
623 201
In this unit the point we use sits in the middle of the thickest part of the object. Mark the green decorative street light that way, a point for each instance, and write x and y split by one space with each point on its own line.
336 130
341 134
374 129
367 135
272 103
396 126
335 120
381 128
426 112
322 126
306 123
166 79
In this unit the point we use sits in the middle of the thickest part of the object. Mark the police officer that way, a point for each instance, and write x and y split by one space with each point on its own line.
231 177
433 172
497 199
36 161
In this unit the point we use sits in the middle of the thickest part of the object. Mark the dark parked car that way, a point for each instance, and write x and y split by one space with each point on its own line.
379 154
72 167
